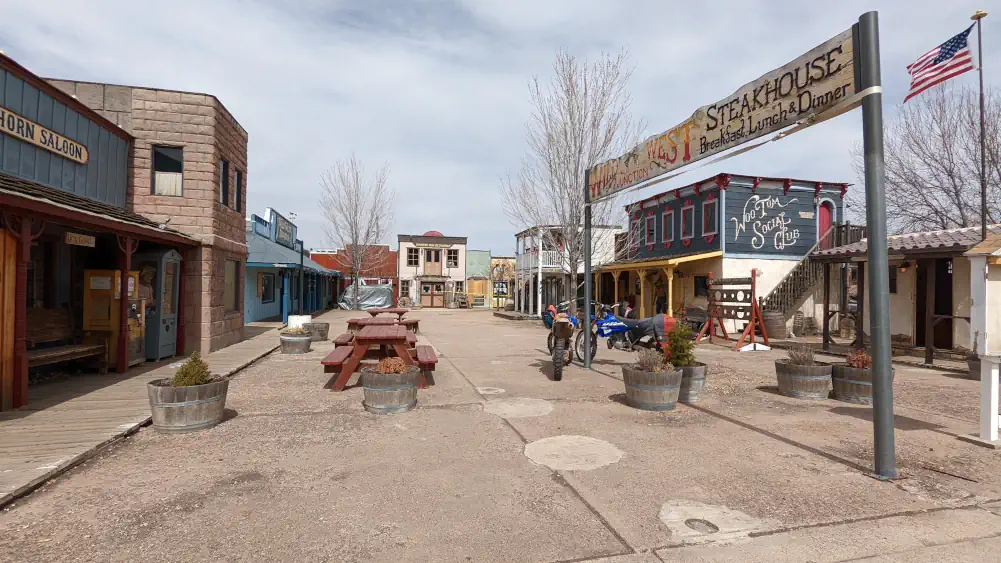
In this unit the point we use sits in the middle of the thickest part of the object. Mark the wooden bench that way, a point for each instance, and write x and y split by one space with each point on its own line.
411 324
426 359
54 327
334 360
345 339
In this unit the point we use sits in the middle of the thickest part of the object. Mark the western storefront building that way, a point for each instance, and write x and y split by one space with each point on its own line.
187 169
432 268
84 279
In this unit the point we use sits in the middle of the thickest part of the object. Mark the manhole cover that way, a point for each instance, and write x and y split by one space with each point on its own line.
518 408
701 526
573 453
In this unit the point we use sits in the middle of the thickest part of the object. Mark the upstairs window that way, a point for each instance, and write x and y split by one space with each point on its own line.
687 221
709 217
452 258
667 226
651 229
224 182
239 190
168 164
413 257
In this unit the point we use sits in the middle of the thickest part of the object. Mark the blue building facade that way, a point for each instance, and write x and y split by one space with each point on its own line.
281 280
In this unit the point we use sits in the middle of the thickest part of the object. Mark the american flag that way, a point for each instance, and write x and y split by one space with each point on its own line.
948 60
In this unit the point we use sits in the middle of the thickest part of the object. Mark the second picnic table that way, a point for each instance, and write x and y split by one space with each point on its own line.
398 311
391 336
354 325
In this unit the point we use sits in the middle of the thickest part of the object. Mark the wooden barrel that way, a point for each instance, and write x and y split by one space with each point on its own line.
652 391
319 331
853 385
388 393
693 381
803 382
185 409
295 343
775 324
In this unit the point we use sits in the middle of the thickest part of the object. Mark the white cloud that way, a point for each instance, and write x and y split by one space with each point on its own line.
438 88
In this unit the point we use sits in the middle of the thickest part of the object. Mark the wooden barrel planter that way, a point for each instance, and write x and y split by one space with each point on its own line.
318 330
389 393
652 391
295 343
693 382
775 324
803 382
853 385
186 409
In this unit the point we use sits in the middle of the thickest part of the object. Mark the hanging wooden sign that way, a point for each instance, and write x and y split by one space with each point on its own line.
28 131
809 85
76 239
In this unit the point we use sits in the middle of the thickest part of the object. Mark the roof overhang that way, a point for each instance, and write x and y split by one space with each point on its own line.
656 263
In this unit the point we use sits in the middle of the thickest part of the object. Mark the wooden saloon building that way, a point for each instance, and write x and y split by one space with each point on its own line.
725 226
121 226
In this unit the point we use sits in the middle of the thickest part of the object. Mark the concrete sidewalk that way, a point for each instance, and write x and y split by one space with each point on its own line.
68 420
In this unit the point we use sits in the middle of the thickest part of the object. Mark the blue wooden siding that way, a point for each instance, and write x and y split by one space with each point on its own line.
102 179
659 247
254 308
774 223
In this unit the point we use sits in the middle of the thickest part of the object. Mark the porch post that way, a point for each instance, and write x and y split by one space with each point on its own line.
929 311
615 278
127 246
669 290
827 306
20 391
860 315
642 296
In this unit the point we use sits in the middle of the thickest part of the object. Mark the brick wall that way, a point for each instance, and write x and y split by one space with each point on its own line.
206 133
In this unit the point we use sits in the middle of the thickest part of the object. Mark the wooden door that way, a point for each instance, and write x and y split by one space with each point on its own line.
432 262
438 294
825 219
8 276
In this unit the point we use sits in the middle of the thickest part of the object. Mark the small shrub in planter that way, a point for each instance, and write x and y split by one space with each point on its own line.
652 383
853 379
295 340
801 376
681 351
191 400
390 387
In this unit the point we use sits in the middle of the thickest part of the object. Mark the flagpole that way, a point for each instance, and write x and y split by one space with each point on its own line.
983 143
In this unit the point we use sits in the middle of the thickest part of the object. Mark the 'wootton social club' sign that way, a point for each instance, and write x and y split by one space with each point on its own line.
811 84
30 132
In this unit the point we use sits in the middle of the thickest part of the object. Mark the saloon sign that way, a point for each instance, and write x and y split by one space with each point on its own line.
811 84
30 132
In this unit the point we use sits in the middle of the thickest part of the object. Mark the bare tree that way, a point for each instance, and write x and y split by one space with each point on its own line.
581 117
359 211
932 151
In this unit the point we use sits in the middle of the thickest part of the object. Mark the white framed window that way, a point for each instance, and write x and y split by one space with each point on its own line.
404 288
667 226
651 229
168 164
687 221
413 257
460 286
709 208
452 258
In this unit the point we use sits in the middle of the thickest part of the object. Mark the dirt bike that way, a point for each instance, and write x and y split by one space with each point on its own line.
561 338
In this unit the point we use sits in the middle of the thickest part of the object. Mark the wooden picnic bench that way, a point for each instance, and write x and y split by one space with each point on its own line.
426 359
347 339
53 328
345 360
398 311
354 325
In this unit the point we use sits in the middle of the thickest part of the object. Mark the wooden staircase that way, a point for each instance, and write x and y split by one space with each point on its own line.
802 279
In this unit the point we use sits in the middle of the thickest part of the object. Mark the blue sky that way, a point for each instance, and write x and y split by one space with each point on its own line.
438 89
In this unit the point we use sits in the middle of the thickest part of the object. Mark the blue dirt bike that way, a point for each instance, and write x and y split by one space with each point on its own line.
624 334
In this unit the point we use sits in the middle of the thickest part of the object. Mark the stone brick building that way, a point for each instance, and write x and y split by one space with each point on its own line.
187 169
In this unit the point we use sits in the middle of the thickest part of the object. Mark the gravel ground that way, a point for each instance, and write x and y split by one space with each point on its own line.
301 473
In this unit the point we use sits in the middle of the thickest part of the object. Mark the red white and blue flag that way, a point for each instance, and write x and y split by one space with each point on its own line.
948 60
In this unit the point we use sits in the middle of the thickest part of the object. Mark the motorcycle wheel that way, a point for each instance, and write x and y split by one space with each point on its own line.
549 342
579 345
558 358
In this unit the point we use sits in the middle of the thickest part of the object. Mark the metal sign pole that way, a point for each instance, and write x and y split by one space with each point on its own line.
585 323
867 32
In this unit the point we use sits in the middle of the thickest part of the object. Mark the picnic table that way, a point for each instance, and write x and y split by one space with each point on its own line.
348 358
399 312
354 325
